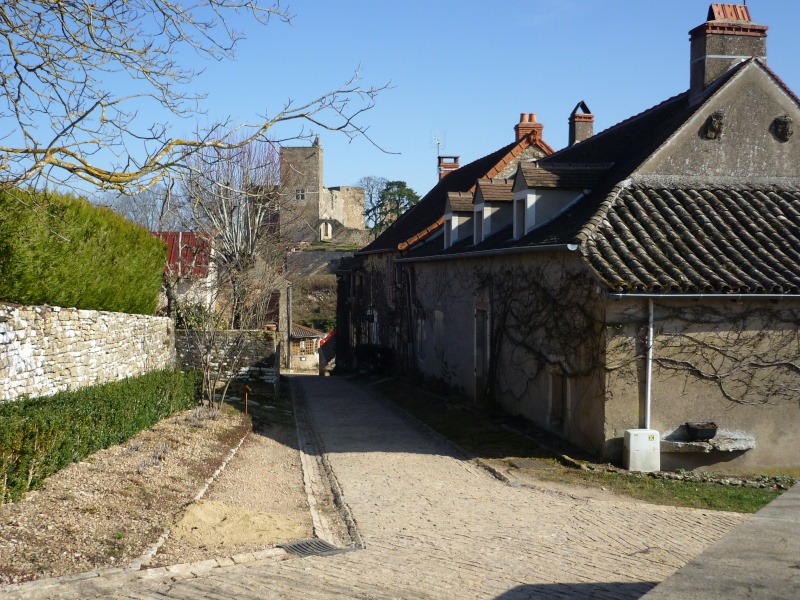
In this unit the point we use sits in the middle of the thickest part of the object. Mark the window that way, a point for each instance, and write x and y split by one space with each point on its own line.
300 194
438 331
478 235
481 350
519 218
559 394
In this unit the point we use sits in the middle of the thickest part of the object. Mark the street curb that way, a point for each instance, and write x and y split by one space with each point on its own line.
322 469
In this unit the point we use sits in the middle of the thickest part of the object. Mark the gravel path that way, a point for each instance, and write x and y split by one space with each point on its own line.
256 502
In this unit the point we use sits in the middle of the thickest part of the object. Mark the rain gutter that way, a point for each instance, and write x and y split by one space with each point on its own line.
499 252
701 296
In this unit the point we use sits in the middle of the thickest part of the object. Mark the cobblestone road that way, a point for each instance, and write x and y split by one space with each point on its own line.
437 526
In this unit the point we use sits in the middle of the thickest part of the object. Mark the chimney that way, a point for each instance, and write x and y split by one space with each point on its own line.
727 38
527 125
581 123
447 164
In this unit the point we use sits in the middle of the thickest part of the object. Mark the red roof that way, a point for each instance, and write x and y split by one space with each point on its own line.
187 254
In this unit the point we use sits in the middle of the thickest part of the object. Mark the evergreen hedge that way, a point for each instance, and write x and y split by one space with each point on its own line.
39 436
61 250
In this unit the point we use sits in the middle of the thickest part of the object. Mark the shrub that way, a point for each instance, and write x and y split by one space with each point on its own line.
39 436
60 250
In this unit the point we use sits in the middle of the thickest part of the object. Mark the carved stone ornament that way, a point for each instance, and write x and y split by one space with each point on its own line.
714 125
783 127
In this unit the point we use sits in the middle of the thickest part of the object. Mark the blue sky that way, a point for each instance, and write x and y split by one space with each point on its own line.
467 69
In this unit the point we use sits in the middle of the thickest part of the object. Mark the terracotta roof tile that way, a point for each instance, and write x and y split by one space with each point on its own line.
416 223
721 239
302 332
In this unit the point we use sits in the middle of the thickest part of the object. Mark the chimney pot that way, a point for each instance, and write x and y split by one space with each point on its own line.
527 125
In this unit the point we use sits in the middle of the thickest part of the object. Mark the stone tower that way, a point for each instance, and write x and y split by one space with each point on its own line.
311 212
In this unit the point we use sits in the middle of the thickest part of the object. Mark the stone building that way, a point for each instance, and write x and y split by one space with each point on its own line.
311 212
643 278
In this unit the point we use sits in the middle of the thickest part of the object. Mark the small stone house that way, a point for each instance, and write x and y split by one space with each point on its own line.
370 287
304 342
643 277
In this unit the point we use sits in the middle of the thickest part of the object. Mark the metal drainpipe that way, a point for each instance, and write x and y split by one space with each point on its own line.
648 397
289 327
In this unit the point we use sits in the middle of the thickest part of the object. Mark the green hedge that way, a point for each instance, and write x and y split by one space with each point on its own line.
61 250
39 436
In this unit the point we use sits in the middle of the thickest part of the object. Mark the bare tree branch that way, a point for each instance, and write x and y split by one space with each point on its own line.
61 123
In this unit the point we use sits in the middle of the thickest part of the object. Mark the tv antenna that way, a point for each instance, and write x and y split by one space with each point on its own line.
438 139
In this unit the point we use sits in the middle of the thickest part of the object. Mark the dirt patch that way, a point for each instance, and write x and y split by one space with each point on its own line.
257 502
212 523
108 509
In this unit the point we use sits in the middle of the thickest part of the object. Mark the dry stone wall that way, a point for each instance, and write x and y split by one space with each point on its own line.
240 353
44 349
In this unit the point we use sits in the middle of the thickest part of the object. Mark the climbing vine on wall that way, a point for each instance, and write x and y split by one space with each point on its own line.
551 315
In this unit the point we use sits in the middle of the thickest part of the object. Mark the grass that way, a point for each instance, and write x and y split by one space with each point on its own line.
710 496
483 438
263 406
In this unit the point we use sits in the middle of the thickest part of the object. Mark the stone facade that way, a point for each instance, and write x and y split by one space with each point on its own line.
44 349
311 212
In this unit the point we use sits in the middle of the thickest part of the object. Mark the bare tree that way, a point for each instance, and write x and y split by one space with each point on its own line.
235 202
234 199
157 208
62 124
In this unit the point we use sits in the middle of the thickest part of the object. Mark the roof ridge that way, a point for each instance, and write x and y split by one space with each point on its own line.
779 81
619 125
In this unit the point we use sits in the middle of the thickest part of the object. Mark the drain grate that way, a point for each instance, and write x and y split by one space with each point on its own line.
312 547
530 463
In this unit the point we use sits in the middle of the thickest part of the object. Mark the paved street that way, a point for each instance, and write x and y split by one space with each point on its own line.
434 525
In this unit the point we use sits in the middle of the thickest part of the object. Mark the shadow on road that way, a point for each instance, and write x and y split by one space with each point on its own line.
578 591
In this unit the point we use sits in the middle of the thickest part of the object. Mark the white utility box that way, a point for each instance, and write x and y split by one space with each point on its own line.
642 450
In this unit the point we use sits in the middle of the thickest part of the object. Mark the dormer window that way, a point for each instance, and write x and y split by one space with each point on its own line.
457 217
493 207
542 192
519 216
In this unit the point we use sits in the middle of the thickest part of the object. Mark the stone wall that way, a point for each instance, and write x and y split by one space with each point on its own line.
44 350
307 263
243 354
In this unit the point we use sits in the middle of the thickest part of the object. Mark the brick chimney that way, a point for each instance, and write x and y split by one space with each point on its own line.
581 123
528 125
447 164
727 38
